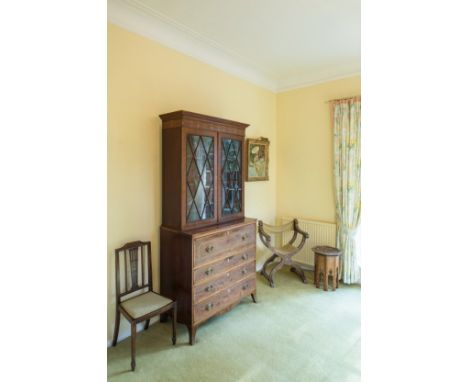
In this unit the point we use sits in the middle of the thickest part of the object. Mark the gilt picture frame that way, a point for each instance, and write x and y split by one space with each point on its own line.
257 159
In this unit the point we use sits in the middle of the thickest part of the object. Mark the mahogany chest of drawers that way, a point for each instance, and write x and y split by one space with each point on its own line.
208 270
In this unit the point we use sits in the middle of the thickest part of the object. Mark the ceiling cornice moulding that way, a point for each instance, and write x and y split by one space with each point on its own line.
138 18
307 81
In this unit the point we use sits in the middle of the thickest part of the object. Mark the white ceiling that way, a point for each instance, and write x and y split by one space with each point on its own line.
277 44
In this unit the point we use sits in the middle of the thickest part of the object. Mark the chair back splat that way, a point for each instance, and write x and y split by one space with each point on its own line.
133 264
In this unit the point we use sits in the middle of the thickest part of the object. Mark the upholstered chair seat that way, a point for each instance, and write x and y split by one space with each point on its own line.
144 303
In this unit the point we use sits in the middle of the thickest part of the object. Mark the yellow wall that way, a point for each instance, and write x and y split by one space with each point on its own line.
146 79
305 149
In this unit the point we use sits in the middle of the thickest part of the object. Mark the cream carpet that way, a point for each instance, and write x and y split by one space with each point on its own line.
295 332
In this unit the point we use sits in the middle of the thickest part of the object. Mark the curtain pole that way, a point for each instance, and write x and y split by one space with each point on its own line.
344 99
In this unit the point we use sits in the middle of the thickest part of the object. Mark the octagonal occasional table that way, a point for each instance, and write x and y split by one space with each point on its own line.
327 263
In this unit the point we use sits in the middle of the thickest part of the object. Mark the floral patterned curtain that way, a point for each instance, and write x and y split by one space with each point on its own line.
347 173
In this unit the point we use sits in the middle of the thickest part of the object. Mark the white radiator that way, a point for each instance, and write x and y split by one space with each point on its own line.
320 233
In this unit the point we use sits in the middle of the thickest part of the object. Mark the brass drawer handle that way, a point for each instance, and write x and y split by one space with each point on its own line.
209 288
244 287
229 258
209 306
209 271
244 237
245 256
244 271
209 249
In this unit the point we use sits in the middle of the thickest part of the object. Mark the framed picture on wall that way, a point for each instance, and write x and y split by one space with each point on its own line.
257 159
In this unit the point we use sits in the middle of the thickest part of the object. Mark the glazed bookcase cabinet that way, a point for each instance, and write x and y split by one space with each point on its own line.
207 245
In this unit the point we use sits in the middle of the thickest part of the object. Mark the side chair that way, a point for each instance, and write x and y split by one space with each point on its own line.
135 258
283 253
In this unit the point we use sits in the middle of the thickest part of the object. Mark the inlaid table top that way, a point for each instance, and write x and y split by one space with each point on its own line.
327 251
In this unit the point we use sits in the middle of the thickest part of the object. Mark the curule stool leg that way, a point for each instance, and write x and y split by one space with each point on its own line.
174 323
265 265
297 269
275 269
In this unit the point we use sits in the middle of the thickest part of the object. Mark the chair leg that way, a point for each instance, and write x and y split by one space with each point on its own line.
147 324
133 344
275 269
116 327
174 323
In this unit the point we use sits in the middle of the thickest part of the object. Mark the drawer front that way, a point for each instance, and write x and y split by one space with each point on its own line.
214 269
229 278
223 299
207 249
242 236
